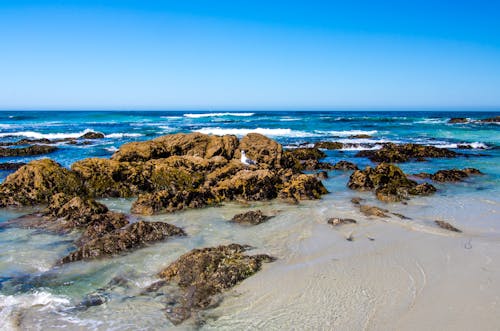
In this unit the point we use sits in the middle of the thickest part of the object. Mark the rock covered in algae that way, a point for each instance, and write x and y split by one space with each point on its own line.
389 183
133 236
194 144
36 182
252 217
203 273
394 153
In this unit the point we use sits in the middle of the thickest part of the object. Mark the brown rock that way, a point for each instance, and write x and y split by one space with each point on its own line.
203 273
454 175
393 153
302 187
11 165
193 144
335 221
322 175
167 201
250 185
92 135
373 211
37 182
306 153
266 152
135 235
109 178
495 119
345 165
455 120
389 183
251 217
27 151
329 145
447 226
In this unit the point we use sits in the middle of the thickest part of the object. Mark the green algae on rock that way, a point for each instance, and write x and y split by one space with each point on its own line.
393 153
36 182
203 273
389 183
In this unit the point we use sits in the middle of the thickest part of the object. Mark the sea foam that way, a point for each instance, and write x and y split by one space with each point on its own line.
217 115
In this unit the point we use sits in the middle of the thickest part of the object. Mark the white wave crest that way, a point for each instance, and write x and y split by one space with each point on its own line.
9 304
264 131
38 135
474 145
123 135
217 115
347 133
111 149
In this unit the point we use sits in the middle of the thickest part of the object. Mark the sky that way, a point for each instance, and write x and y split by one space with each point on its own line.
256 54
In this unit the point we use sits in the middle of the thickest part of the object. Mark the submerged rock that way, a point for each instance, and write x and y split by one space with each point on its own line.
331 145
92 135
252 217
388 182
373 211
495 119
454 175
345 165
27 151
322 175
393 153
306 153
36 182
447 226
335 221
11 165
203 273
135 235
455 120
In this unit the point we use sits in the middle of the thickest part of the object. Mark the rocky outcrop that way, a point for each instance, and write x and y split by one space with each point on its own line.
203 273
454 175
265 151
252 217
179 171
302 187
393 153
447 226
194 144
345 165
261 184
92 135
306 153
36 182
167 201
455 120
27 151
360 136
330 145
11 165
373 211
335 221
495 119
133 236
388 182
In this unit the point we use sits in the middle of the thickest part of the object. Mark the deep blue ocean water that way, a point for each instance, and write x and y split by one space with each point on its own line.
46 296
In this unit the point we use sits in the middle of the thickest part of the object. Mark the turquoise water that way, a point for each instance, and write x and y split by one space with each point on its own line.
46 296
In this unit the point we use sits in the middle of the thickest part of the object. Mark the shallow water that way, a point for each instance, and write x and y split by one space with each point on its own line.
394 275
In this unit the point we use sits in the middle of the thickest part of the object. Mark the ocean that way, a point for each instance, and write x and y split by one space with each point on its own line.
400 280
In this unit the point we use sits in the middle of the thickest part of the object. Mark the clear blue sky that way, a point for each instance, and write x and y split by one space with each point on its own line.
248 54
